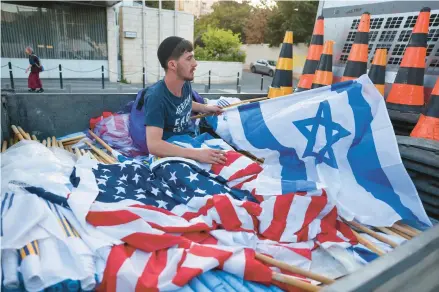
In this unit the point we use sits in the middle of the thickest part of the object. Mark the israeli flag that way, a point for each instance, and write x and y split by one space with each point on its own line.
337 137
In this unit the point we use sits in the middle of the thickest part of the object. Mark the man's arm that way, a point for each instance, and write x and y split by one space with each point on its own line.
160 148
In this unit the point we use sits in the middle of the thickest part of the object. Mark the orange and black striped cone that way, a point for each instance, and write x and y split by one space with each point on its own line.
312 60
282 83
407 92
377 72
428 123
357 60
323 74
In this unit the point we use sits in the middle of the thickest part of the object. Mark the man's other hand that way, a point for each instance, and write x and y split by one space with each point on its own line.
210 156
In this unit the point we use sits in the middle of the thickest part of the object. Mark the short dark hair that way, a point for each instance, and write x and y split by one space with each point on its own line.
183 47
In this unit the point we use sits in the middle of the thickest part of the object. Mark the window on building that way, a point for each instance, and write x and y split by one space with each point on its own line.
54 30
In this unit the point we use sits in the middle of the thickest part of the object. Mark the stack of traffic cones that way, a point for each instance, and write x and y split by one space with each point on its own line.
407 92
377 72
428 124
357 60
282 83
323 74
312 60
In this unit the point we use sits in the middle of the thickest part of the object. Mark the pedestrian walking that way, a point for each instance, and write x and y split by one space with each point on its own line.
34 81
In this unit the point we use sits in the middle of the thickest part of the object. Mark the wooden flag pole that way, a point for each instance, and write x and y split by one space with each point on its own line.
388 231
406 229
79 137
418 232
23 133
101 153
294 282
17 133
372 233
231 105
368 244
293 269
405 235
102 142
4 146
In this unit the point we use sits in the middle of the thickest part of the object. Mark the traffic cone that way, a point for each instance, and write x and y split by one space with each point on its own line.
357 60
282 83
428 123
312 60
323 74
407 92
377 72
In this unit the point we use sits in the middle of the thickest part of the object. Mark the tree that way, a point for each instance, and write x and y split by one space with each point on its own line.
297 16
227 15
255 27
220 45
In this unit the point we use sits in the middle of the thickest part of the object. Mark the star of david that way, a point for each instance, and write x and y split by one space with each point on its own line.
333 132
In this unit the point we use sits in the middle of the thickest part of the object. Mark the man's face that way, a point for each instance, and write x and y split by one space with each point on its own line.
186 66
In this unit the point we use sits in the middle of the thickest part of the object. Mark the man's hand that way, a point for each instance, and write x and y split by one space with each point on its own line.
27 70
212 109
210 156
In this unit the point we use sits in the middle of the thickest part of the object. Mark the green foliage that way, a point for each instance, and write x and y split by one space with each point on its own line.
297 16
227 15
220 45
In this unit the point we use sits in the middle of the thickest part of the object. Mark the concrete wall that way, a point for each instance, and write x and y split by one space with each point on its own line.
221 72
59 114
81 68
263 51
130 19
112 45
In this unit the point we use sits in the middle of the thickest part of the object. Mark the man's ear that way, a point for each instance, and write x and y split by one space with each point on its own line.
172 64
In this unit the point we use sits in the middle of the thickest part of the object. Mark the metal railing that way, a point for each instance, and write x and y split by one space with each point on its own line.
143 72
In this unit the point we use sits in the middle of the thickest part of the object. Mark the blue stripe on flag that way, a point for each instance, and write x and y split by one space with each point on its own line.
363 157
2 208
293 174
11 200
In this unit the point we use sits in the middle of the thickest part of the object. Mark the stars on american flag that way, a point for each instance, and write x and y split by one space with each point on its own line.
192 176
173 177
171 183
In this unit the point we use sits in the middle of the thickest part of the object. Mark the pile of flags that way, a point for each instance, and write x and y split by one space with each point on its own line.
173 223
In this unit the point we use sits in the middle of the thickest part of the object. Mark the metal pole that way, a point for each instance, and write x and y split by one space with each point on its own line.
262 82
143 77
60 76
237 81
210 72
102 68
11 76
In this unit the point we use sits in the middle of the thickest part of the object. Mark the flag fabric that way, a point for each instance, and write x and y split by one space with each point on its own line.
177 224
337 137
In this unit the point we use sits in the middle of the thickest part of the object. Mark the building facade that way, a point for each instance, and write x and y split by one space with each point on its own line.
83 36
196 7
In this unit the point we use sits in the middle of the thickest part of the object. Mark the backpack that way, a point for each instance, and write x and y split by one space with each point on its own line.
137 119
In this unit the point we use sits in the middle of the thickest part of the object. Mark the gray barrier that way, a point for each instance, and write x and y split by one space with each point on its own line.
412 266
58 114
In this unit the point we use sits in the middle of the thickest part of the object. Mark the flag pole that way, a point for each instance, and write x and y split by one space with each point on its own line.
294 282
231 105
372 233
296 270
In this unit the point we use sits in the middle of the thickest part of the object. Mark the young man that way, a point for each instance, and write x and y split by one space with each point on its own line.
169 104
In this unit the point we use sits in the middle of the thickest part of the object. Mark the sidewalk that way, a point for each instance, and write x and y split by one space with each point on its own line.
250 83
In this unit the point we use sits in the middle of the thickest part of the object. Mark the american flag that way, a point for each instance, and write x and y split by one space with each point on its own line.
179 219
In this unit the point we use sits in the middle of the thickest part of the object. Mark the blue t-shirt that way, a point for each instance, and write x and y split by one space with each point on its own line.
167 111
